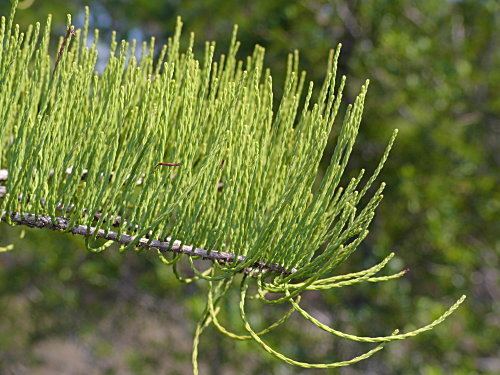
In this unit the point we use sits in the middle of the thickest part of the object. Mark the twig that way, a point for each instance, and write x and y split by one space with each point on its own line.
62 224
69 33
165 164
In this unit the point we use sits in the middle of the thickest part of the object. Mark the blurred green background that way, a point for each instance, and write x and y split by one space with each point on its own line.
434 68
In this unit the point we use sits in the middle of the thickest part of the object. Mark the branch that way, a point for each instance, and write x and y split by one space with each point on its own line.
62 224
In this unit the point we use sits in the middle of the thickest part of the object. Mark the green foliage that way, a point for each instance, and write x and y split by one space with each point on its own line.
217 119
122 122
